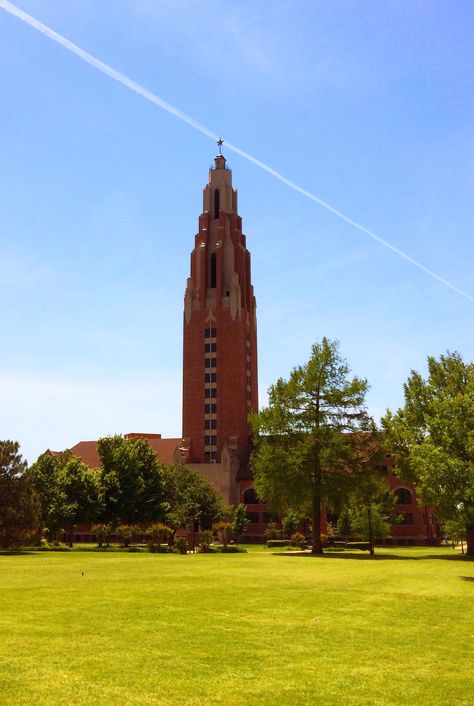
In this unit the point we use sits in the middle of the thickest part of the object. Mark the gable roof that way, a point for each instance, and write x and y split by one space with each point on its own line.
165 449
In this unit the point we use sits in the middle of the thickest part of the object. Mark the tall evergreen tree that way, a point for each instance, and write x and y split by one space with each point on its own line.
313 438
17 505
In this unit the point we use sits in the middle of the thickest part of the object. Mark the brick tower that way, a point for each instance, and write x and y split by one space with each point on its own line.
220 331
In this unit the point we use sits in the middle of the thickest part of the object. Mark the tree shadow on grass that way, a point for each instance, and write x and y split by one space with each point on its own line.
467 578
376 557
18 552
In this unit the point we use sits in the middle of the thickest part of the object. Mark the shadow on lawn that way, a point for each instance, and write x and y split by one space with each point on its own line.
467 578
377 556
17 552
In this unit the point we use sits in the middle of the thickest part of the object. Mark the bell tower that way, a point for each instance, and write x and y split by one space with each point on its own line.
220 329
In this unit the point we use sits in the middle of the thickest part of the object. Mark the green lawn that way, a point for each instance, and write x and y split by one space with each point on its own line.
256 628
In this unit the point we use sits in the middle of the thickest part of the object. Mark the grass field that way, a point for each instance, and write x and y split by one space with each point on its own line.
256 628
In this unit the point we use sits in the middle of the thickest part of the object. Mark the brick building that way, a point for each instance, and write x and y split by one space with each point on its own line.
220 385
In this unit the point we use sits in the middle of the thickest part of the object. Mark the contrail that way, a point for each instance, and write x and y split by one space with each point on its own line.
153 98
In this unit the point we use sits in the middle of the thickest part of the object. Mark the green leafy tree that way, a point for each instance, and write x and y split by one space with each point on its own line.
311 440
68 492
190 499
455 531
290 522
130 480
239 522
433 437
17 503
344 526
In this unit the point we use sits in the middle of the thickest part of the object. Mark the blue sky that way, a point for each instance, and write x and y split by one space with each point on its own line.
368 105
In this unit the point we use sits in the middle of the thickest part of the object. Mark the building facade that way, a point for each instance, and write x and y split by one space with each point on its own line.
220 385
220 379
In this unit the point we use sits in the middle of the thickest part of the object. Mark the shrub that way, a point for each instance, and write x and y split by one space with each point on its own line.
290 522
102 534
271 532
324 540
181 545
205 540
298 540
127 533
223 529
158 534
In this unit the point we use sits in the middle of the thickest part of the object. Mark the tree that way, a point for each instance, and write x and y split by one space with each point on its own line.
312 438
239 522
189 498
371 502
455 531
433 437
130 480
17 504
68 492
290 522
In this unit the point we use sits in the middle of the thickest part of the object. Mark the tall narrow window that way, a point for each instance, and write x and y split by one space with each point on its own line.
213 270
217 203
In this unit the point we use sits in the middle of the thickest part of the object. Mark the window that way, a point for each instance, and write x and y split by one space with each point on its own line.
252 517
210 440
210 392
211 456
210 423
213 271
210 409
210 377
217 203
210 347
403 496
250 497
210 333
210 362
268 517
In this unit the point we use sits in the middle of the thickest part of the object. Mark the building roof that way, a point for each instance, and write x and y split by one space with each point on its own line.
165 449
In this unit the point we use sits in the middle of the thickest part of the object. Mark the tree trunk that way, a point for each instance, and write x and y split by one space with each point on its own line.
316 522
470 540
371 539
71 535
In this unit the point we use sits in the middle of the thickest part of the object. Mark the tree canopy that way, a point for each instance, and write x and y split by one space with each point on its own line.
67 492
17 506
433 437
314 437
131 482
190 498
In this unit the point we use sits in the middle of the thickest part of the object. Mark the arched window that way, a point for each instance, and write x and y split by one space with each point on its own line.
213 273
403 496
250 497
217 203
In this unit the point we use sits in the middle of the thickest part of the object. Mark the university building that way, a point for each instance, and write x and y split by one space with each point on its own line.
220 378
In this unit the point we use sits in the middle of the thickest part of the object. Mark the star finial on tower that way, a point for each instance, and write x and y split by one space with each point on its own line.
220 142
